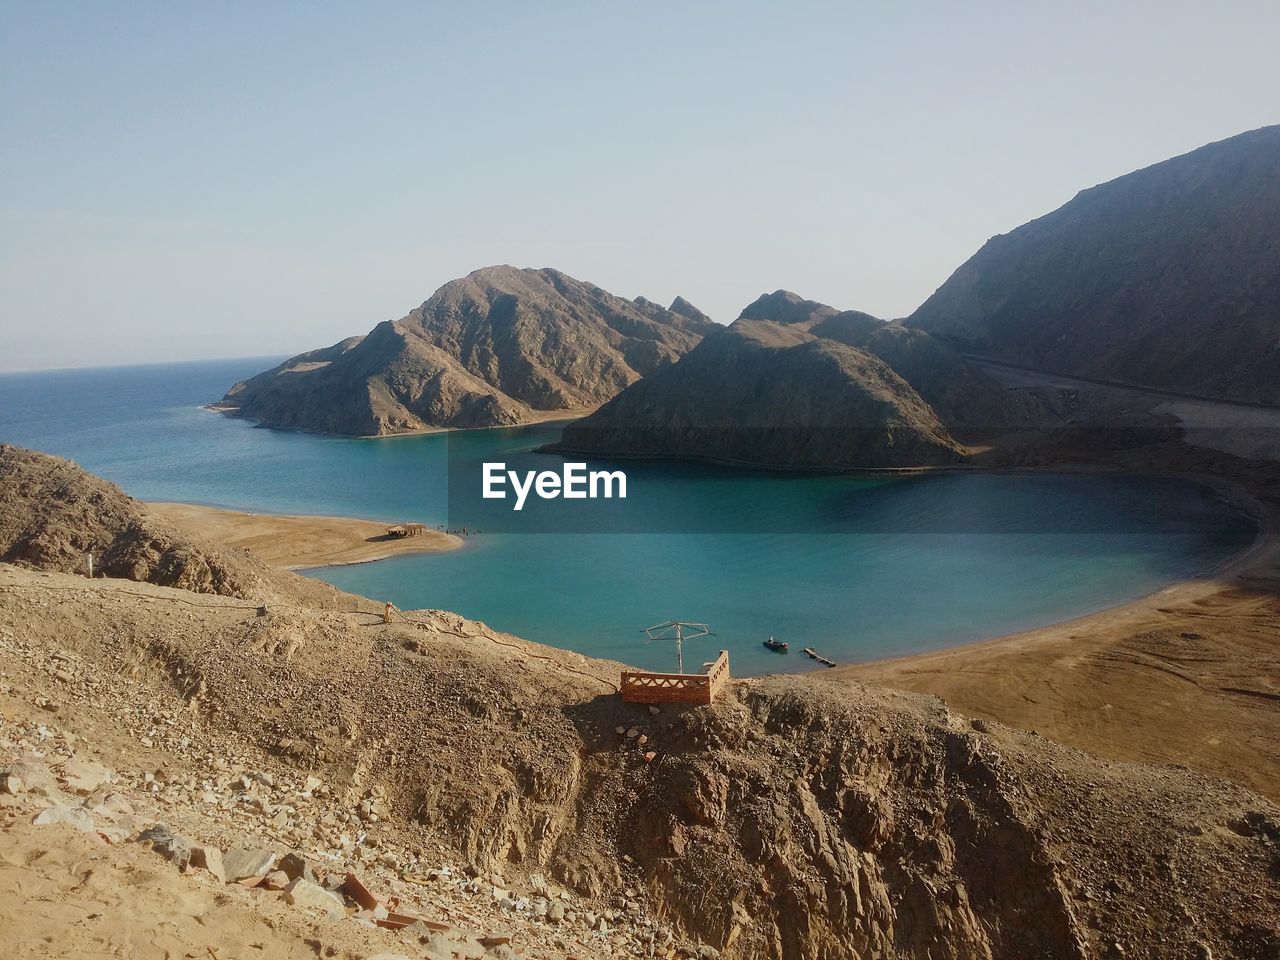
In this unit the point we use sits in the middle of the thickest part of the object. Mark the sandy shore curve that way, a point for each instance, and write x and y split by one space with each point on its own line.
300 542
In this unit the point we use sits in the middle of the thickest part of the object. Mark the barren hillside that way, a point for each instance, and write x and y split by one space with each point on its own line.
497 347
771 393
53 515
1167 277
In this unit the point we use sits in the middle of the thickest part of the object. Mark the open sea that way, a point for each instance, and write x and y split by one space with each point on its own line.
859 568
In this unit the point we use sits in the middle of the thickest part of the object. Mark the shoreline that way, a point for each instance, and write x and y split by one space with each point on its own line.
1266 541
300 542
552 416
1188 675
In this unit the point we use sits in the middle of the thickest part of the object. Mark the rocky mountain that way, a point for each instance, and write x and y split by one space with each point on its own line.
771 393
794 382
1168 277
797 817
499 346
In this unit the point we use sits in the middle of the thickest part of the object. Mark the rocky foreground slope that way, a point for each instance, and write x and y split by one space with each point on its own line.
1168 277
797 817
500 346
56 516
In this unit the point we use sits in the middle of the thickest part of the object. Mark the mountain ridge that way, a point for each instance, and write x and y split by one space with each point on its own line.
766 390
1166 277
498 347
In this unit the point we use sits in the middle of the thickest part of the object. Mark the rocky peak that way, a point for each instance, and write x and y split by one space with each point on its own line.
783 306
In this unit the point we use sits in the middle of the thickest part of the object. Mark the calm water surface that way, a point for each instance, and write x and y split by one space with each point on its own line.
858 568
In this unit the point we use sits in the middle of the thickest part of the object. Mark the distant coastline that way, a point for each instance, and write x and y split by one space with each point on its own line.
543 416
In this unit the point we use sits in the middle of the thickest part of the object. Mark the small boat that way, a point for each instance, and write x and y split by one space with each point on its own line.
777 646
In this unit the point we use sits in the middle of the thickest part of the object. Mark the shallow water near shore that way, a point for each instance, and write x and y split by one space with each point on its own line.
859 568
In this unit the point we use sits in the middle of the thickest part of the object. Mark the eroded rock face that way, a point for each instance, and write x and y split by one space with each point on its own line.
490 349
812 834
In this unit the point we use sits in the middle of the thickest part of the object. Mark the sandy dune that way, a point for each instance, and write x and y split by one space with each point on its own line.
300 542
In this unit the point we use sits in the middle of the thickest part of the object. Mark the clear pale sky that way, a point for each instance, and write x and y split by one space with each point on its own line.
186 180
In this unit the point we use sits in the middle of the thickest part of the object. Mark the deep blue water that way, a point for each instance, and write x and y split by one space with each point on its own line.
858 567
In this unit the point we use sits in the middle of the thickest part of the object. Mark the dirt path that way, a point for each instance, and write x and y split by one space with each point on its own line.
300 542
1042 377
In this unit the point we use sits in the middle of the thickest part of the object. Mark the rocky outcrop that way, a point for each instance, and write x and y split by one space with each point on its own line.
53 514
764 392
499 346
1168 277
797 383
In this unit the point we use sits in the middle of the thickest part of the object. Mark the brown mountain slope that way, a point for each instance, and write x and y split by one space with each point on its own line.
798 383
492 348
53 513
1168 277
773 394
966 399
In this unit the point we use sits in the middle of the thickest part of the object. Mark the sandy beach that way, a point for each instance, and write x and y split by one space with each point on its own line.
295 542
1189 675
536 417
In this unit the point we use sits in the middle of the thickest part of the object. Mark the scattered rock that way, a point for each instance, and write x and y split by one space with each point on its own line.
173 847
116 806
28 776
210 859
295 865
71 816
357 891
84 776
304 893
242 863
275 880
